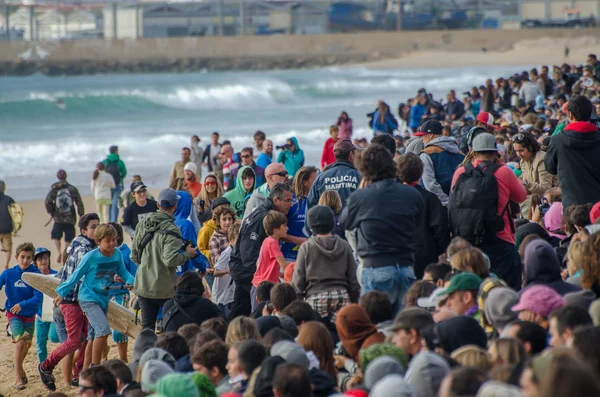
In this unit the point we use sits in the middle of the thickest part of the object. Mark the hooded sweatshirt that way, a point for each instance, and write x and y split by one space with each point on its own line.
325 264
237 196
458 332
114 158
441 157
191 301
188 232
74 201
17 291
426 372
573 156
292 161
356 330
543 268
159 260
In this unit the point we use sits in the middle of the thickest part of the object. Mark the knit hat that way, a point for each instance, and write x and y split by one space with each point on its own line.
380 368
595 212
582 299
392 385
425 373
497 306
373 352
156 353
539 299
321 219
291 352
204 385
177 385
191 166
152 372
217 202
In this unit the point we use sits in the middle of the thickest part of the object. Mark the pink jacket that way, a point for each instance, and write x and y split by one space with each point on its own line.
345 129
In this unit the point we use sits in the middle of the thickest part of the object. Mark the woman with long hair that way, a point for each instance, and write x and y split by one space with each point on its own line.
102 183
315 337
212 190
383 120
344 123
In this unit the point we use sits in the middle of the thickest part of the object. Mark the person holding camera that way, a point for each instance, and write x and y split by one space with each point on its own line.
534 178
291 156
158 249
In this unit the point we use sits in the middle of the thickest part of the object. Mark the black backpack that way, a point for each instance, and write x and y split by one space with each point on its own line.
473 206
113 169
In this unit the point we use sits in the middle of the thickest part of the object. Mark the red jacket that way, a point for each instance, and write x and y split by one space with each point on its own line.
328 158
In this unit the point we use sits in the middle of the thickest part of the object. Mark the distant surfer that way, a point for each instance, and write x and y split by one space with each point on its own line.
60 104
566 52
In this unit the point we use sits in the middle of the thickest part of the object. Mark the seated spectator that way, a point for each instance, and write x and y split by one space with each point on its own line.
471 356
291 380
458 332
456 244
189 332
569 376
426 372
241 329
462 294
420 289
98 379
506 351
282 295
211 360
203 338
536 303
315 337
380 368
586 343
267 323
463 382
218 325
263 295
543 268
563 323
188 306
300 312
379 309
497 308
407 331
123 376
177 347
152 372
155 354
356 330
576 256
533 336
471 260
275 335
176 385
436 272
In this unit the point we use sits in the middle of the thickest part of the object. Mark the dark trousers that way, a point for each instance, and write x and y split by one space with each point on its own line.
242 304
505 262
149 308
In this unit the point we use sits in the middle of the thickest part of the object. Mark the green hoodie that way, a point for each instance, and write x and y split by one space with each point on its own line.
237 196
157 270
114 158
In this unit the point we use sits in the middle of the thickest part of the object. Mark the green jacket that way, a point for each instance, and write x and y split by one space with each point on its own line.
559 128
237 196
157 270
114 158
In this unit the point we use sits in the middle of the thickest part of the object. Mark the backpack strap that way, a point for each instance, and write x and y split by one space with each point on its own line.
148 237
489 168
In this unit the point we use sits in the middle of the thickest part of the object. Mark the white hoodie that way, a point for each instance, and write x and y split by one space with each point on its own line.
102 185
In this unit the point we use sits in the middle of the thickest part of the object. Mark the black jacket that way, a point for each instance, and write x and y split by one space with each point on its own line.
433 232
6 225
340 176
386 214
210 161
244 255
574 155
132 387
196 310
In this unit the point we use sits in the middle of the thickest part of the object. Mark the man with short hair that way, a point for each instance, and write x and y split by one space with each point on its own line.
574 155
291 380
379 309
61 202
408 328
190 172
245 254
97 381
123 376
436 272
159 257
563 323
178 168
211 154
6 224
275 173
135 211
592 60
259 140
340 176
211 361
282 295
266 157
532 335
462 295
484 218
454 108
301 312
228 165
247 159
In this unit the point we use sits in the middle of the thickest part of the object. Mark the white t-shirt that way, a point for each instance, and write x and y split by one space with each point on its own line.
222 289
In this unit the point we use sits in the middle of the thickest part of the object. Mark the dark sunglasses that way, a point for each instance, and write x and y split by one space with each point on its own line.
246 156
282 174
83 389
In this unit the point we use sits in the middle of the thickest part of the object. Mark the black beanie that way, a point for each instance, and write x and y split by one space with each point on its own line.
321 219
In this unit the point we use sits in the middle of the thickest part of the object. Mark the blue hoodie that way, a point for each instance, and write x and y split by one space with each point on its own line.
292 161
98 271
188 232
416 115
18 292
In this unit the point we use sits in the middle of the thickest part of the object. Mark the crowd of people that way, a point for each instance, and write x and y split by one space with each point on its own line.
458 258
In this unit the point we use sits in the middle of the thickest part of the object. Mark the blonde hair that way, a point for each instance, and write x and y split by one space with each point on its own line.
591 262
333 128
233 231
241 329
577 255
472 356
470 260
302 176
331 199
103 231
509 351
178 184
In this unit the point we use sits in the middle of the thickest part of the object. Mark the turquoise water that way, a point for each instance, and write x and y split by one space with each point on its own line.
47 123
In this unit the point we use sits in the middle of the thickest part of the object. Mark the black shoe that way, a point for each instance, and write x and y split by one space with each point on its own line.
47 378
75 382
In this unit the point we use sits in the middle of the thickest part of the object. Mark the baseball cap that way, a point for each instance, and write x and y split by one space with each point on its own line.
167 198
412 317
219 201
463 282
539 299
430 127
137 186
486 118
344 146
40 251
431 301
484 142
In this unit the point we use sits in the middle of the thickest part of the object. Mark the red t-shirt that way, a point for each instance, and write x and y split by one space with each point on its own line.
509 188
267 268
327 157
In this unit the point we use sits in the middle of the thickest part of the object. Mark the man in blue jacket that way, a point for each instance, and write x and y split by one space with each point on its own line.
22 303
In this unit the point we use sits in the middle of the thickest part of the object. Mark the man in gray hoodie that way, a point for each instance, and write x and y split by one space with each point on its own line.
441 157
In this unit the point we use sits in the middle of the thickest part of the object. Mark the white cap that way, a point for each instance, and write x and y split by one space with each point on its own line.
432 300
191 166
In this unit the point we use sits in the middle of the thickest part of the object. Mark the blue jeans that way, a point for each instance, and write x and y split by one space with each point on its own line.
44 331
394 280
114 207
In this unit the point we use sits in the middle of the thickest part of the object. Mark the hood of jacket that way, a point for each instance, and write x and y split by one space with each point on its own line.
187 297
184 205
580 135
155 221
331 247
460 331
237 196
113 157
293 139
414 145
426 372
446 143
541 263
240 181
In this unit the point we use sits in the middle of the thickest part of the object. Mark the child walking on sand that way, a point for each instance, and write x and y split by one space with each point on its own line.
22 303
98 269
271 264
44 330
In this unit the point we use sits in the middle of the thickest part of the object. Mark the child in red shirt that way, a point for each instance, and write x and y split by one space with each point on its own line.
271 264
328 158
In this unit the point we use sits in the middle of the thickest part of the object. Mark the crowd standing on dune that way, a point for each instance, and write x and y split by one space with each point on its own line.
455 254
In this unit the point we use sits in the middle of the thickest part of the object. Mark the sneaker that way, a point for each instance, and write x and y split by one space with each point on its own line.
47 378
75 382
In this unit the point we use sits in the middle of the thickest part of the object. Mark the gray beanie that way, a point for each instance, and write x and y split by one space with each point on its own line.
426 372
291 352
392 385
152 372
498 306
498 389
321 219
380 368
157 354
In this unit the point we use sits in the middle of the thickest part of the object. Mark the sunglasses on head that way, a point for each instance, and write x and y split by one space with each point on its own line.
518 137
282 174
